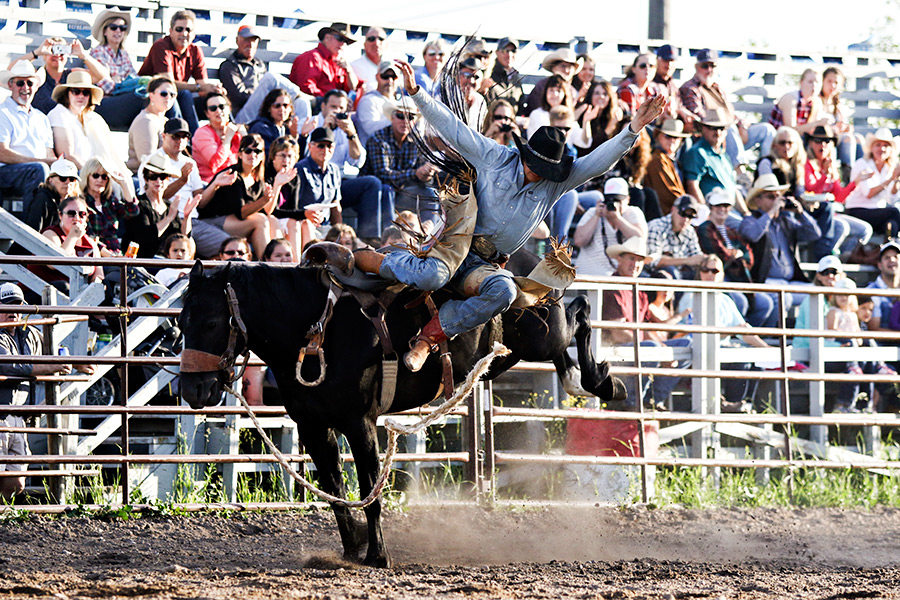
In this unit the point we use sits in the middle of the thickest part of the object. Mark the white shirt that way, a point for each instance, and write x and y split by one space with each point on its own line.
63 118
857 198
365 70
592 259
370 116
25 130
341 155
193 183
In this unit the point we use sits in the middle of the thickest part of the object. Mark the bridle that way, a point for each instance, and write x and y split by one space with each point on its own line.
197 361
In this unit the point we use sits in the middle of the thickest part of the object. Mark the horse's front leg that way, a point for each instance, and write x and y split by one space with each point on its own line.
321 443
364 445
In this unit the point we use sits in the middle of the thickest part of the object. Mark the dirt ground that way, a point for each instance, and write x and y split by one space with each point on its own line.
462 552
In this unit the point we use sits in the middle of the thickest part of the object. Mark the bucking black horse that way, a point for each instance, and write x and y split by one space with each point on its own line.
278 306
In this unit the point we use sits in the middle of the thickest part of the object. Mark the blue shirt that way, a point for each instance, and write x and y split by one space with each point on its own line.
710 169
508 208
317 185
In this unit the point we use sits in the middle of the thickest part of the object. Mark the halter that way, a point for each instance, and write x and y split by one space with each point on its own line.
197 361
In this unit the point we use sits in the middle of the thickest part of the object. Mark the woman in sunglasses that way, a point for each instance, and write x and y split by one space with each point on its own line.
157 219
239 201
427 75
72 237
145 133
215 146
120 103
61 183
500 122
110 205
638 83
78 132
234 248
276 118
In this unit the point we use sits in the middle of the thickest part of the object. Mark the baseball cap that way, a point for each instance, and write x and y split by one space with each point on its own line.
385 66
829 262
888 245
322 134
707 56
615 186
718 196
63 168
667 52
502 43
10 293
247 31
686 205
478 47
176 125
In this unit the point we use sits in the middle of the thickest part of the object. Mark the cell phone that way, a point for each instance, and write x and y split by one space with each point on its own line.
60 49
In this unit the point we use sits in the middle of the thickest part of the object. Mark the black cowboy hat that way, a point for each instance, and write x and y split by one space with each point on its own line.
545 153
822 132
341 30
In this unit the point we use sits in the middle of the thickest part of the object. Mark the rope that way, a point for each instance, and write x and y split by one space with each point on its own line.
394 430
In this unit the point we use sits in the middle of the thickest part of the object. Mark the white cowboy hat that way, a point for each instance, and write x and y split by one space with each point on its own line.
882 134
562 55
79 79
404 106
673 128
107 15
157 163
22 69
634 245
765 183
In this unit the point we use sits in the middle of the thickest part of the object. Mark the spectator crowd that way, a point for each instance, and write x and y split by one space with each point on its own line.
255 164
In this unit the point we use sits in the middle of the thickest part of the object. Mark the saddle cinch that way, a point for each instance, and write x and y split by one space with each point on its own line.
451 244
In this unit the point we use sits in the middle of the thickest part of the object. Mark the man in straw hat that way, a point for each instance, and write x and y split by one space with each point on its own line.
662 172
706 165
325 67
26 140
774 228
515 189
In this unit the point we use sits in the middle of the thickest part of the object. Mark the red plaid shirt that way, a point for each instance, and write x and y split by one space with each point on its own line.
118 63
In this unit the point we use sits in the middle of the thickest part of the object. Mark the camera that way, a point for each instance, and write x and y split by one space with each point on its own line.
506 128
341 116
611 204
60 49
790 203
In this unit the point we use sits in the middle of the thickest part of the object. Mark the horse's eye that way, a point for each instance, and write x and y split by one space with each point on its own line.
211 325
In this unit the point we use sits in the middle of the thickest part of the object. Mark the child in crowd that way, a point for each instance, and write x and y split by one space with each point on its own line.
177 246
842 317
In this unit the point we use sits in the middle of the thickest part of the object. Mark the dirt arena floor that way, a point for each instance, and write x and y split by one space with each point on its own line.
464 553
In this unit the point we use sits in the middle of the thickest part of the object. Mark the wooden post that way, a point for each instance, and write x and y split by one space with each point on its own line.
658 20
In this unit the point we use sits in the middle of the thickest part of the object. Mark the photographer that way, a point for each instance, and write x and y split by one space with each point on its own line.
610 222
500 122
775 226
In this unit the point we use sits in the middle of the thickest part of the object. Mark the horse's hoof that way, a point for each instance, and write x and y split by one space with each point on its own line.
379 561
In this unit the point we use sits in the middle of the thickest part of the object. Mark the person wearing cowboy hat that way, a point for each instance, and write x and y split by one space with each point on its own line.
774 228
73 118
662 173
25 340
325 67
702 93
26 140
515 189
706 165
563 62
120 103
879 184
177 56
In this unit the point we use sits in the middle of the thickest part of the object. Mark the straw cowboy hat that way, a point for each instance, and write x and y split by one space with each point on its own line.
545 153
22 69
403 106
554 272
715 118
78 79
108 15
341 30
765 183
882 134
562 55
673 128
157 163
634 245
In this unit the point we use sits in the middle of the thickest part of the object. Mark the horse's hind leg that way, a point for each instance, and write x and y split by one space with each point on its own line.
364 445
321 443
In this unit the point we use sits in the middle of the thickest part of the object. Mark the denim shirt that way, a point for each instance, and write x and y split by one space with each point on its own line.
508 209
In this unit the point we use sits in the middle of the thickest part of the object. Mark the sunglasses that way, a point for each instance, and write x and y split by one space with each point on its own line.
252 151
390 75
150 176
22 82
79 92
102 176
76 213
472 76
281 105
500 118
713 270
645 65
322 145
216 107
67 179
166 93
374 38
688 214
235 252
708 65
118 27
179 29
829 272
181 136
433 53
405 116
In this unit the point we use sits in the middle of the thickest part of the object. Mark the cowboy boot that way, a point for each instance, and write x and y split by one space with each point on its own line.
368 261
425 343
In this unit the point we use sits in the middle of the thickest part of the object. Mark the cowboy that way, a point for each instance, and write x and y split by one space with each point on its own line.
25 340
562 62
706 165
247 82
177 56
325 67
26 140
515 188
662 172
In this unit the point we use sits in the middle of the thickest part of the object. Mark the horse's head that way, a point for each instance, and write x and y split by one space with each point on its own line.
212 339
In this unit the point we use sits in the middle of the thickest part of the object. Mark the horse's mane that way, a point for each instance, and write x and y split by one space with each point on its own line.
261 280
